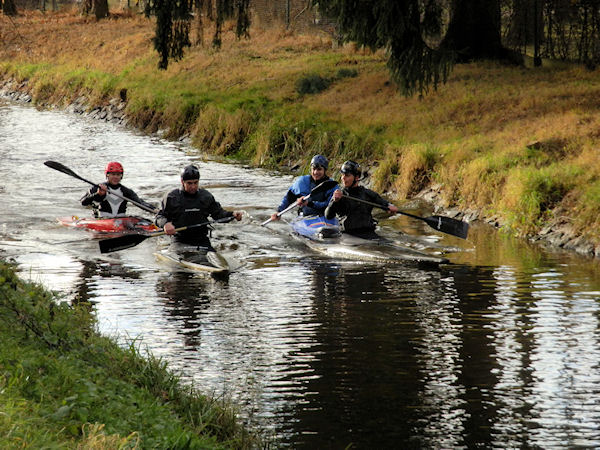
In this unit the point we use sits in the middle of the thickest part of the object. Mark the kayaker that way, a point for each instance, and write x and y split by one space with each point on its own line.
111 205
190 205
355 217
303 185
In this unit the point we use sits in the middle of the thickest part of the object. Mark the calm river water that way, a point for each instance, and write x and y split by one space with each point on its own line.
500 348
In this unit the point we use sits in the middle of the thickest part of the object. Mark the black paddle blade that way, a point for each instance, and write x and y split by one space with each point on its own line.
60 167
121 242
448 225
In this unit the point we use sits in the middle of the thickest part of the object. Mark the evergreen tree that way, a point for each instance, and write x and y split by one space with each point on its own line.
173 21
474 30
9 8
410 29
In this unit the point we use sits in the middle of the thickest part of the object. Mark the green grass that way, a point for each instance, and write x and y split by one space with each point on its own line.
63 385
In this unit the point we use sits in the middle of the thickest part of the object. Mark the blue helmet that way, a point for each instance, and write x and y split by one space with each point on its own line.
190 173
319 161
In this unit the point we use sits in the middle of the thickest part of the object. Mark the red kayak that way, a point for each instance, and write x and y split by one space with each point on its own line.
126 224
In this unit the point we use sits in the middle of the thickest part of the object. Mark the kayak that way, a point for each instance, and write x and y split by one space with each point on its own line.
317 228
125 224
324 236
208 262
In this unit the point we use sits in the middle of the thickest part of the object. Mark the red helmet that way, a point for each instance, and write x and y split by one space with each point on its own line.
113 167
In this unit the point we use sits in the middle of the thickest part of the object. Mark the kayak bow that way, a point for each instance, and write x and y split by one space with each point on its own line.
125 224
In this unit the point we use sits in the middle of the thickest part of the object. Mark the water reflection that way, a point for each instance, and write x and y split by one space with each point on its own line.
355 376
186 298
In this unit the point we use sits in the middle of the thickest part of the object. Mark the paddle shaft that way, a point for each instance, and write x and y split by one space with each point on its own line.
131 240
209 222
447 225
327 184
64 169
377 205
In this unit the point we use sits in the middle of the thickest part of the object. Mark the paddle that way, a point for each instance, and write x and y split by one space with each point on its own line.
324 186
446 225
131 240
64 169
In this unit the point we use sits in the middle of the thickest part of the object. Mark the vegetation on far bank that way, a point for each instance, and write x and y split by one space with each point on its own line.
62 385
516 142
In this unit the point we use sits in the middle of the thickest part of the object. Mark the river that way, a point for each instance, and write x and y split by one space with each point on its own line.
499 348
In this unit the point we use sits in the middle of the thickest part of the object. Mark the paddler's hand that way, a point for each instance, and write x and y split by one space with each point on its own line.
102 189
301 202
169 228
337 195
393 209
237 215
274 216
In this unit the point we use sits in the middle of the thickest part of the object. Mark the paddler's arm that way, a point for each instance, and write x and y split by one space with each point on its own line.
320 205
95 194
217 212
376 198
333 206
161 220
130 194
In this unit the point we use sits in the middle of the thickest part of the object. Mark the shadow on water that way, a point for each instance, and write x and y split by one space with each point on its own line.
83 289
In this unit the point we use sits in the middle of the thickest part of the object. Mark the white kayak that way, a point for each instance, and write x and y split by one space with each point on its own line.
320 235
208 262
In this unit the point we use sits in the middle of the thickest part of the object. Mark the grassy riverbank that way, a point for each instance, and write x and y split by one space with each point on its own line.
64 386
518 143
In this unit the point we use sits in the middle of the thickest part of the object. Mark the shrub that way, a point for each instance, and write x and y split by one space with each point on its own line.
312 84
347 73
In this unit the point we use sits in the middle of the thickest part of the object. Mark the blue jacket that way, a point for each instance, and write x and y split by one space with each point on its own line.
301 188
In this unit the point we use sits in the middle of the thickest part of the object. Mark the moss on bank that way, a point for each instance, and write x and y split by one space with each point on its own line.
513 142
62 385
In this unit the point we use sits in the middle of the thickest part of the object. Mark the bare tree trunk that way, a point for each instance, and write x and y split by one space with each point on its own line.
474 30
97 7
100 8
9 8
522 31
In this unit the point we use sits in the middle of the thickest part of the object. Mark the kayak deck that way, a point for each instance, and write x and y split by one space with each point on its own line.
345 246
125 224
208 262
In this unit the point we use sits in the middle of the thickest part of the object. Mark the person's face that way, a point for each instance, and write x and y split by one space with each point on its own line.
190 186
114 177
348 180
317 172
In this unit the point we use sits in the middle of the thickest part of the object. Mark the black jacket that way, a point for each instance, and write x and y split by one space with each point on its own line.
110 205
355 217
183 209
